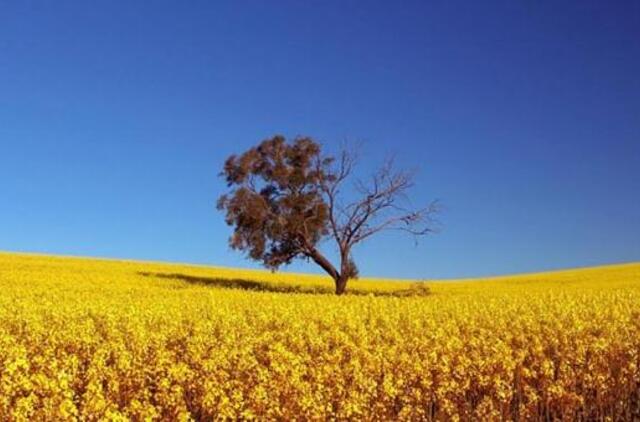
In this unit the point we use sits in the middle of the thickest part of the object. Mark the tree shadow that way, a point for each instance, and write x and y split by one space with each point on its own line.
237 283
264 286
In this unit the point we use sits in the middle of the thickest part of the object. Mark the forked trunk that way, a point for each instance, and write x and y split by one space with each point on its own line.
340 278
341 284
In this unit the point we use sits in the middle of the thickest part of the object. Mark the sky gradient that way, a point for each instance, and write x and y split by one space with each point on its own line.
522 117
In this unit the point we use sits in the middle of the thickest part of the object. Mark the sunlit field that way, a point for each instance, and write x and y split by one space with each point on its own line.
94 340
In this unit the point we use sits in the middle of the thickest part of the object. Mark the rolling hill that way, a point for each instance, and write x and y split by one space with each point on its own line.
102 339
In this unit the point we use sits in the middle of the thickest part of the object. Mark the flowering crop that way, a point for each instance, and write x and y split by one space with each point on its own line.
107 340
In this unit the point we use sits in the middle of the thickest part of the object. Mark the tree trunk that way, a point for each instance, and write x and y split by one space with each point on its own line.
340 278
324 263
345 271
341 284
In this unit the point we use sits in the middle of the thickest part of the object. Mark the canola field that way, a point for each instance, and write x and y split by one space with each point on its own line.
115 340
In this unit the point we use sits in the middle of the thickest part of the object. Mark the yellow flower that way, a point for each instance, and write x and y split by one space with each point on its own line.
105 340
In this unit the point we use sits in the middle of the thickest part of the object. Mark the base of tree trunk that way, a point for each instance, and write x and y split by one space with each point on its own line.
341 286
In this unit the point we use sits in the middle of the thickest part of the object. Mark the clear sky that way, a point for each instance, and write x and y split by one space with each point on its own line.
523 118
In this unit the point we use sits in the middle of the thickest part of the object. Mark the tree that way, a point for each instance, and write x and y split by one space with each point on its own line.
285 198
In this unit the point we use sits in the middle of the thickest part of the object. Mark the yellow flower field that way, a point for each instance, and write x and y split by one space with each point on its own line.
116 340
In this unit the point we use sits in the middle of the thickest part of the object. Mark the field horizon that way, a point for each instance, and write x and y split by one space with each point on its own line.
288 274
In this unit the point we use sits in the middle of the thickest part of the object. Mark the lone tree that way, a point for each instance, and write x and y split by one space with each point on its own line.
286 197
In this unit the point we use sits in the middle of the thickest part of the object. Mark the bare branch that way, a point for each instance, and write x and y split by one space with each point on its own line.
337 175
379 208
417 223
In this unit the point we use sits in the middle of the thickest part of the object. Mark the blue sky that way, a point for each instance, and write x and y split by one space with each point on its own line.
523 118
